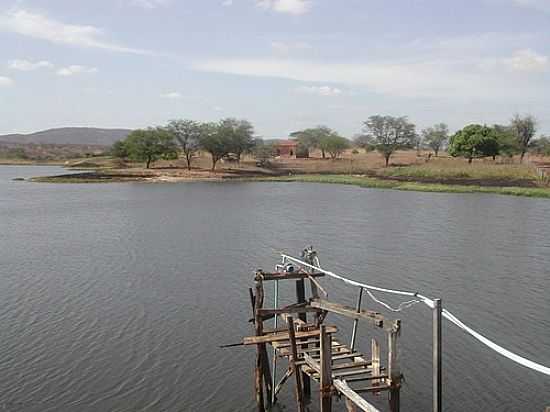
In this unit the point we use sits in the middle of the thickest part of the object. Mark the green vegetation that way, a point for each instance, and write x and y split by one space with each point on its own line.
148 145
323 138
188 134
369 182
389 134
435 137
523 129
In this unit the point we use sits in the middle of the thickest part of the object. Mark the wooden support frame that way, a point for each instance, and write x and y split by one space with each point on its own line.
289 275
295 369
394 371
374 318
326 370
262 375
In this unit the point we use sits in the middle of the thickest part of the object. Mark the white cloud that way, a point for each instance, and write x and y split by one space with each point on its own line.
541 5
528 60
5 81
295 7
42 27
227 3
27 65
171 95
447 79
326 91
150 4
286 47
75 69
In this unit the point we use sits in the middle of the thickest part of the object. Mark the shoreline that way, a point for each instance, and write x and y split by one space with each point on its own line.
410 184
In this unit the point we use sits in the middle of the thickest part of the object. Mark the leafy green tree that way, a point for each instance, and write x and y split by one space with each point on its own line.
524 129
315 138
119 149
435 137
238 135
389 134
149 145
335 145
214 142
187 133
474 141
541 146
507 143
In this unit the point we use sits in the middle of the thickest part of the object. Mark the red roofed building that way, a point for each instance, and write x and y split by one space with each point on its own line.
286 148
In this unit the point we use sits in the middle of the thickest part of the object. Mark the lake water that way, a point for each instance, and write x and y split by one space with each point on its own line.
115 297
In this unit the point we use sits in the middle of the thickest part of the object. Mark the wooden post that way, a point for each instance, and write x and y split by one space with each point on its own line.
356 321
258 325
326 370
294 367
301 298
394 372
437 375
262 362
375 350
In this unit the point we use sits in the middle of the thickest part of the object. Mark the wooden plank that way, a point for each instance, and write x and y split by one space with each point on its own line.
344 356
285 377
368 378
393 366
373 318
288 309
301 298
375 349
342 349
280 336
283 344
374 388
290 276
258 326
295 369
341 374
350 394
326 370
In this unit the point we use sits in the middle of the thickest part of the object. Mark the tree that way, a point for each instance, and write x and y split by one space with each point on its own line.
119 149
507 142
474 141
187 133
149 145
390 133
335 145
214 142
364 141
541 146
524 129
263 153
315 138
436 136
238 134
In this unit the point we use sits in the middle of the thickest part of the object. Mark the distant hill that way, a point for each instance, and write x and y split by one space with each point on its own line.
70 135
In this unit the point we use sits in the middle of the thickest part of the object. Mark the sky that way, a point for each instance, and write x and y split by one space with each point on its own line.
285 65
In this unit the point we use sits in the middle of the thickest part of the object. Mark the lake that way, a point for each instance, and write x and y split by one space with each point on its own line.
115 297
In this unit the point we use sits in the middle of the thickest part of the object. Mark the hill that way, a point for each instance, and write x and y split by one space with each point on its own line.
69 135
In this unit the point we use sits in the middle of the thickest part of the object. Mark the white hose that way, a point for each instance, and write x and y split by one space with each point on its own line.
430 303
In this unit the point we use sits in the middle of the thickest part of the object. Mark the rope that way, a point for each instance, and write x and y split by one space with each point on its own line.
430 303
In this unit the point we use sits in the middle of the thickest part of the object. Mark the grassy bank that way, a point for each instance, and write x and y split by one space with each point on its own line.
372 182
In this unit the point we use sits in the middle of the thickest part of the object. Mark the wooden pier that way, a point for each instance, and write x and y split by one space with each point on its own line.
313 351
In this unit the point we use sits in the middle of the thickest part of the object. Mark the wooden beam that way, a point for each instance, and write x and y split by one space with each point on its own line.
302 308
290 276
393 366
373 317
375 349
280 336
350 394
295 369
326 370
285 377
258 326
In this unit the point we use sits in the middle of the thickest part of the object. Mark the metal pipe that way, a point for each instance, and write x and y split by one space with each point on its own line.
356 321
437 364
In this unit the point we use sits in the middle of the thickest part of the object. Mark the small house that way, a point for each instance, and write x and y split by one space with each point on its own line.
286 148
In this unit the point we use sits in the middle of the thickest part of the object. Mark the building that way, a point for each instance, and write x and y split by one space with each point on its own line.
286 148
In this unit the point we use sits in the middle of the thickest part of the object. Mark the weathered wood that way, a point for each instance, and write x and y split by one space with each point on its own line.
301 298
301 308
281 336
285 377
350 406
356 320
326 370
374 318
290 276
282 344
393 366
341 349
258 372
296 370
350 394
368 378
375 353
373 388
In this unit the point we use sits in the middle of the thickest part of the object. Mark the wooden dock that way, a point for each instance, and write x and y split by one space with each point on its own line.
313 351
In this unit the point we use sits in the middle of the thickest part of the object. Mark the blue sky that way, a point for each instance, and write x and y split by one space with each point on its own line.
283 64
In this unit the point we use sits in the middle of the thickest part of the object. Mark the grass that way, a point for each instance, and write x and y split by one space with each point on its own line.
457 169
370 182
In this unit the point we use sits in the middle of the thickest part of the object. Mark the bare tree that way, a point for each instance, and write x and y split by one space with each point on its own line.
524 129
390 133
187 133
435 137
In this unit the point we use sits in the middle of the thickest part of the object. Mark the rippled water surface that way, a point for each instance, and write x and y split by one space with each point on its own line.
115 297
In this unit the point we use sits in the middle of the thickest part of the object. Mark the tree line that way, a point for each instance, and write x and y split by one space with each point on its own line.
231 138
